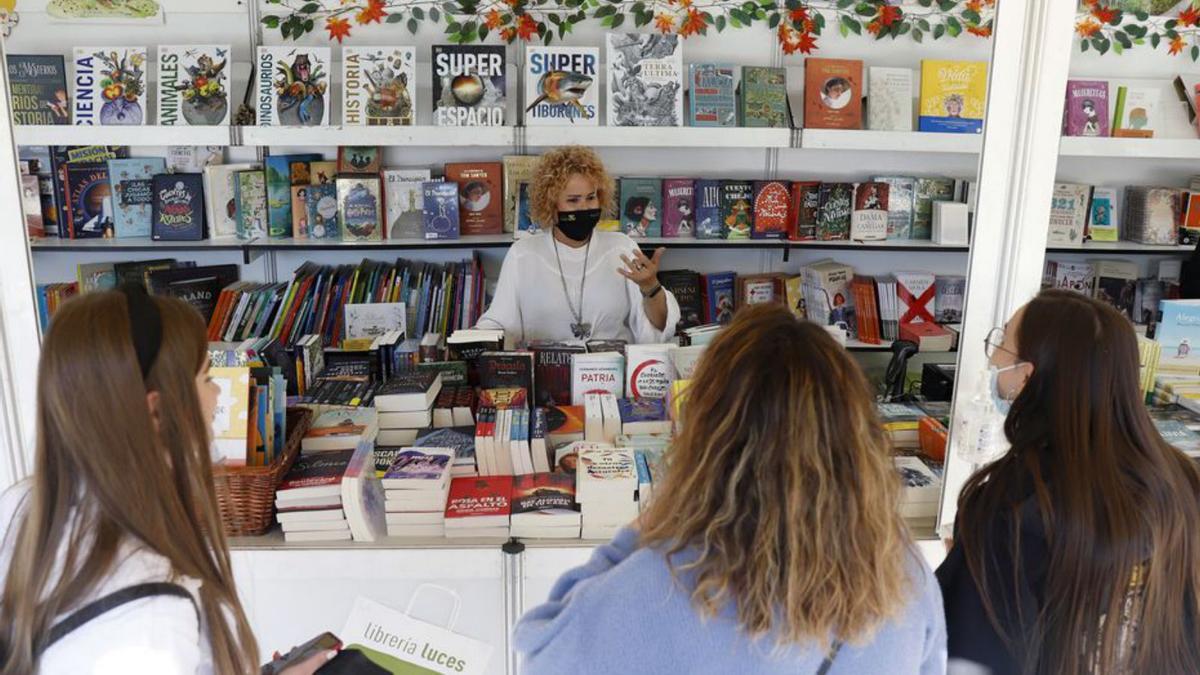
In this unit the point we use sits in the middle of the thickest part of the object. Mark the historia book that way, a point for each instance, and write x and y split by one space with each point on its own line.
133 194
292 86
641 206
679 207
889 99
712 95
469 85
1086 109
360 210
479 196
737 209
38 89
193 85
772 202
953 96
560 86
178 207
379 86
109 86
645 80
763 102
403 202
832 93
440 210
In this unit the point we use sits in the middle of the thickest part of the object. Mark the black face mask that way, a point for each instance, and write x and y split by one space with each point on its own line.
578 225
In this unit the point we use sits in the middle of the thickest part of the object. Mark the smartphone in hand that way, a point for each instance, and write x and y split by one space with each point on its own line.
323 642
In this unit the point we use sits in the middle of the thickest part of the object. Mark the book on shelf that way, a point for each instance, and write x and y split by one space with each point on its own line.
177 207
929 337
517 169
1151 215
479 196
193 158
600 372
133 194
544 506
250 197
870 217
279 182
826 288
362 495
315 477
379 86
708 209
371 320
712 98
440 210
753 289
902 192
560 85
193 85
109 86
564 424
360 208
460 439
220 191
479 504
833 93
293 86
1137 111
359 159
1178 329
889 99
95 277
929 190
836 213
916 292
230 425
38 89
953 96
806 210
469 85
772 203
403 202
552 370
425 469
685 359
1068 213
678 207
763 101
1103 219
1189 227
199 286
641 207
685 286
88 207
643 416
949 295
737 209
1116 284
719 294
1086 109
648 370
324 219
507 370
1078 277
645 79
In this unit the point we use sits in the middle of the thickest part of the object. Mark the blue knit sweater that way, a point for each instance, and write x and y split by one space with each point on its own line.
621 612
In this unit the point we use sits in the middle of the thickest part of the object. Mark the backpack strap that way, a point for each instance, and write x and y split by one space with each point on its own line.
828 662
110 602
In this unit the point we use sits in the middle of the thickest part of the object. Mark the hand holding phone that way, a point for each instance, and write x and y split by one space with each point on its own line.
306 658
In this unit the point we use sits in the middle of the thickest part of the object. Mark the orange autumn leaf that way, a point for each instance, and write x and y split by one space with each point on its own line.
807 43
874 27
798 15
693 24
1087 28
373 12
664 23
1189 17
889 14
527 28
1104 14
493 20
338 28
1176 45
508 34
685 3
981 31
974 6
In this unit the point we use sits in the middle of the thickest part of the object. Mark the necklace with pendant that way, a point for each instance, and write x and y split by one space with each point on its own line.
579 329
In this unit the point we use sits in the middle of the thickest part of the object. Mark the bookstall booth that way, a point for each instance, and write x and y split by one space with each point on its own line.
1007 178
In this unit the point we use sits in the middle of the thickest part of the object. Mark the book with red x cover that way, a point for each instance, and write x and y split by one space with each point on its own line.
915 291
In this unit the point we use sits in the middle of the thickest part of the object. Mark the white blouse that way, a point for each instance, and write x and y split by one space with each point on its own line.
530 304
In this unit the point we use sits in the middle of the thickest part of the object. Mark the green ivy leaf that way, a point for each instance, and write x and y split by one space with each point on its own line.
468 28
938 31
286 31
719 23
1170 34
843 30
739 16
773 22
1116 19
1170 24
395 17
641 19
308 26
412 26
819 23
1122 39
607 10
270 21
638 7
865 9
449 8
310 8
1142 16
452 27
1154 40
971 16
1101 44
483 32
852 24
1117 48
766 4
923 25
947 5
925 3
760 14
733 22
418 13
918 35
547 38
1195 52
1083 45
953 27
554 19
843 4
618 20
903 28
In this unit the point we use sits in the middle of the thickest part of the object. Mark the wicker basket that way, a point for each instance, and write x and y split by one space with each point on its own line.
246 494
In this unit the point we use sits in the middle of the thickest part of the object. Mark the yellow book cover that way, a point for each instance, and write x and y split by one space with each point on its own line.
794 287
609 225
230 426
953 96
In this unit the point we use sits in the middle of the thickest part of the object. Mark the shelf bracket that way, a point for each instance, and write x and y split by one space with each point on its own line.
249 254
787 249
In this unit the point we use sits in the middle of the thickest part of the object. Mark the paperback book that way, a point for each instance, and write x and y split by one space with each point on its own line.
953 96
641 203
679 207
837 203
764 97
645 80
109 86
719 293
832 93
1137 111
1068 213
597 373
379 86
360 210
38 89
929 190
321 202
251 200
708 209
772 202
713 100
132 182
292 86
404 200
901 198
737 209
890 99
479 196
517 169
806 210
869 220
280 177
552 370
89 209
1152 215
193 85
1103 224
560 84
178 207
469 85
440 210
1086 111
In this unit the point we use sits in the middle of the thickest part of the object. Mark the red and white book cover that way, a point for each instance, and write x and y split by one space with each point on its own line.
479 501
915 291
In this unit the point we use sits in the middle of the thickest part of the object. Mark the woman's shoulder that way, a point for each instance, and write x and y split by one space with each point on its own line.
613 241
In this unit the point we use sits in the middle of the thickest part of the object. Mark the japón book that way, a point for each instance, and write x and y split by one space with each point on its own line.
292 86
560 84
645 80
109 86
38 87
193 85
379 86
953 96
469 88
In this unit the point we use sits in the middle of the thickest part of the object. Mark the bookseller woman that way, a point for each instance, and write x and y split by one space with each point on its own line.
573 281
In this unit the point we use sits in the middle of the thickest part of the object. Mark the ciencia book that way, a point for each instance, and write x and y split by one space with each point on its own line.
953 96
38 89
109 86
133 194
561 87
379 86
712 96
193 85
480 196
645 80
292 86
641 206
360 208
469 85
1086 111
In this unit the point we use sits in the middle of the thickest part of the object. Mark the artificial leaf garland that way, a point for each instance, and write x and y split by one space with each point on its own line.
1105 28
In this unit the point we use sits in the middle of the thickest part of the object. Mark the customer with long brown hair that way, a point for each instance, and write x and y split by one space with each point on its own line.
775 544
113 552
1078 551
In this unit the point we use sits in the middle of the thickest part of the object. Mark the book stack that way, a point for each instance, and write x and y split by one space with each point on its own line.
454 407
606 488
415 489
479 506
511 441
341 429
309 500
601 418
405 405
643 416
564 424
902 422
922 488
544 507
459 439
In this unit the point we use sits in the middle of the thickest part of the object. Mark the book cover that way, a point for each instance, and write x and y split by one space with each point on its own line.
560 84
1137 112
929 190
316 469
193 85
772 202
374 319
645 80
753 289
278 169
505 370
649 371
479 196
916 293
828 300
1116 284
837 203
1178 331
525 225
193 158
109 86
764 97
292 86
359 159
89 209
440 210
953 96
1078 277
641 206
322 204
889 99
220 186
679 207
322 171
806 210
468 85
552 370
832 93
31 206
38 89
1189 230
713 100
737 209
178 207
300 211
517 169
199 286
949 293
598 373
1086 112
902 192
419 466
379 86
403 202
133 194
95 277
251 199
231 415
869 220
360 210
544 493
708 209
1152 215
479 496
719 289
685 286
1103 223
1068 213
459 439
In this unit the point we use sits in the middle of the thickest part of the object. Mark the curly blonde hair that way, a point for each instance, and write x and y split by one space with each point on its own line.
550 178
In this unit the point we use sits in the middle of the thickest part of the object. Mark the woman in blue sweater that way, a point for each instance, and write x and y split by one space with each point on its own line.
774 544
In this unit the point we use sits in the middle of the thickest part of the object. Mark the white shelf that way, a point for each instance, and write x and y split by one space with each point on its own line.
424 136
472 241
132 244
121 135
1113 247
659 137
890 141
1130 148
273 540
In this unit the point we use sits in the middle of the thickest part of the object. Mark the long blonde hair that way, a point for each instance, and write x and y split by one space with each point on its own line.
783 483
103 476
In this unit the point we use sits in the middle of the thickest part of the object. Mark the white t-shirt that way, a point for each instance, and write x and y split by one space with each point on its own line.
529 302
157 635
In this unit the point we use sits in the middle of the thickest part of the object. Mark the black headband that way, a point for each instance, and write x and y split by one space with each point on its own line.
145 325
